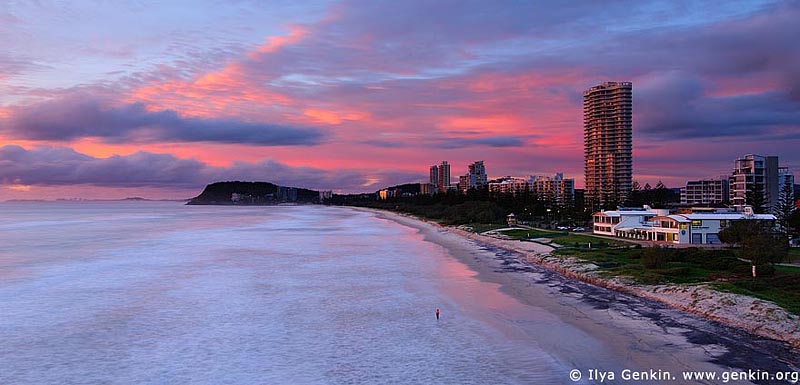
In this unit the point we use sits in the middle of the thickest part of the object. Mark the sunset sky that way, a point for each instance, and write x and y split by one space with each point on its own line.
106 100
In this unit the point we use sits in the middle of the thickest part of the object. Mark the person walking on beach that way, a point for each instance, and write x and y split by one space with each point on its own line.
437 313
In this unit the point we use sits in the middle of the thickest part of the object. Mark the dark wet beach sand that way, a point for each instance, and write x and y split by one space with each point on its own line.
641 333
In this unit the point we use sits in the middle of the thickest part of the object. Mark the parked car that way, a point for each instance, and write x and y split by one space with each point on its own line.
579 229
563 227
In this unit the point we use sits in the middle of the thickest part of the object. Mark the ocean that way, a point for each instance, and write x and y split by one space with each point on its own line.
159 292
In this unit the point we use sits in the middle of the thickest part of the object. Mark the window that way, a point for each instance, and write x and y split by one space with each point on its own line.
696 223
683 226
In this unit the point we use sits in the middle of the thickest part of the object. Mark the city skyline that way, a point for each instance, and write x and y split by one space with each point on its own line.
115 100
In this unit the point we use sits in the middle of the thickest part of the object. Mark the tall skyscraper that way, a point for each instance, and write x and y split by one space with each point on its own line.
434 179
444 176
608 141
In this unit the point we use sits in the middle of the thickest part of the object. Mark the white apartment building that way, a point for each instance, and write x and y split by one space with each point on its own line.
660 226
706 191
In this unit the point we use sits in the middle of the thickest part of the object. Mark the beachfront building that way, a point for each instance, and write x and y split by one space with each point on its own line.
608 141
609 222
555 189
659 226
706 192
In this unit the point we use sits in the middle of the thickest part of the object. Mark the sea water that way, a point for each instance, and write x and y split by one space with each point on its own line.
160 292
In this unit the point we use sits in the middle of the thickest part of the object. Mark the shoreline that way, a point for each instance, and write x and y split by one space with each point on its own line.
752 315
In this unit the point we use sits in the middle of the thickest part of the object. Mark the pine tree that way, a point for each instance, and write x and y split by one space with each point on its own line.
785 208
756 199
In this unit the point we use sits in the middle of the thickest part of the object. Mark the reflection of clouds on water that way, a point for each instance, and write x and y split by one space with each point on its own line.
247 295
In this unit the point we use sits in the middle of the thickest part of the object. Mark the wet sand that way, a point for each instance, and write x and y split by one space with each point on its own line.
618 330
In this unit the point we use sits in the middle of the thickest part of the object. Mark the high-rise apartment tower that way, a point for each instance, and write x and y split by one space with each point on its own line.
608 140
444 176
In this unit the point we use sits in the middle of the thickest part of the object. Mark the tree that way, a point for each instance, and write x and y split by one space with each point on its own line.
755 198
757 241
794 223
635 186
785 207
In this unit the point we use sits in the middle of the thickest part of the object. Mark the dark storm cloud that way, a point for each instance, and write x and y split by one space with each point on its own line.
676 106
491 141
61 166
80 117
55 166
451 142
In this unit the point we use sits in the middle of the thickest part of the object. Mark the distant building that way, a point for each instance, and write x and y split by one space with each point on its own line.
706 192
391 193
442 175
509 185
555 189
434 177
325 195
464 183
608 140
659 226
474 178
477 175
287 194
757 173
426 188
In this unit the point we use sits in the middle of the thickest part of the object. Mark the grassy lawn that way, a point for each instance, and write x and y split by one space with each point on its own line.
564 238
783 288
794 255
683 267
481 227
721 268
536 233
788 269
582 241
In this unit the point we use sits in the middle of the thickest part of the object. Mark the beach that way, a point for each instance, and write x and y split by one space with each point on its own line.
649 333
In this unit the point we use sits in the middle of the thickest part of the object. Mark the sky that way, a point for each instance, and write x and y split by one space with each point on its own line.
104 99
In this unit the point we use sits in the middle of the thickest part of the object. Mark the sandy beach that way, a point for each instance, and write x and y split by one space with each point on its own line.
647 332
